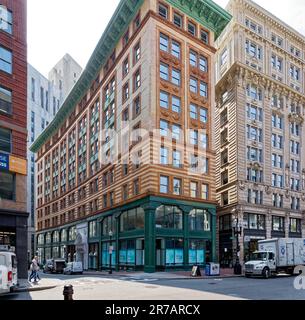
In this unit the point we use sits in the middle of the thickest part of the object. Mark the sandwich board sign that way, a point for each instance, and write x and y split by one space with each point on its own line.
196 271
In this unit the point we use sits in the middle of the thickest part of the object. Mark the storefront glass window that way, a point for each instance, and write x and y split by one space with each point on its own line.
106 255
55 252
174 252
169 217
93 256
92 229
41 239
63 235
55 236
199 220
132 219
48 237
197 252
108 225
72 233
127 252
48 253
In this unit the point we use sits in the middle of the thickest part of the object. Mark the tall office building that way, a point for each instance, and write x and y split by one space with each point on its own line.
126 167
65 74
13 129
260 162
45 97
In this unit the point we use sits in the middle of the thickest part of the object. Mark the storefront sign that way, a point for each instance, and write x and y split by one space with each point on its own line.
4 161
18 165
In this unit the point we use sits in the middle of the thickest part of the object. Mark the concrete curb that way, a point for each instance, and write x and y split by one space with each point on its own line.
171 278
23 289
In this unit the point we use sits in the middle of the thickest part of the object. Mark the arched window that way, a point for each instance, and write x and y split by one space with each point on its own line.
41 239
132 219
169 217
48 237
199 220
72 233
55 236
63 236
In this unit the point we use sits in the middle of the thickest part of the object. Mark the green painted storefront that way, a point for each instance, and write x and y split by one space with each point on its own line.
150 234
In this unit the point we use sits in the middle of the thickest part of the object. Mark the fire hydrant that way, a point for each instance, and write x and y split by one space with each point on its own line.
68 292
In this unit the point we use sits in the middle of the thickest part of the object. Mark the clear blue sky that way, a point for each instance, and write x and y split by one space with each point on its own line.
56 27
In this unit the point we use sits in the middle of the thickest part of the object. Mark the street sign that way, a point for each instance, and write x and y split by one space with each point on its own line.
4 161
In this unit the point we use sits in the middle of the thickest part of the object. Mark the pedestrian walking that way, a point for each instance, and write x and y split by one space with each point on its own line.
34 270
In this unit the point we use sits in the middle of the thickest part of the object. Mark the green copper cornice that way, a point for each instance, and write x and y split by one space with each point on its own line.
206 12
120 20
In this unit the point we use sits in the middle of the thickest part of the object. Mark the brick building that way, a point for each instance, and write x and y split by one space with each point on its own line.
13 129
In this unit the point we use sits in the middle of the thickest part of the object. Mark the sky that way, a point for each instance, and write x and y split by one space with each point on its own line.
55 27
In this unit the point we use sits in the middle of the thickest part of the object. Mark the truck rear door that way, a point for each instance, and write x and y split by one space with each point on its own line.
290 254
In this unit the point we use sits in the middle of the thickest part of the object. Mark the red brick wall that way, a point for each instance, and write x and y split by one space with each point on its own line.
17 82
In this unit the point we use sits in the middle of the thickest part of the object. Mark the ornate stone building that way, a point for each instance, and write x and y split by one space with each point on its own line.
146 200
260 162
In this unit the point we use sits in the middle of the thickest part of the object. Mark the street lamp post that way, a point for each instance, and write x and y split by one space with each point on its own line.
110 251
237 231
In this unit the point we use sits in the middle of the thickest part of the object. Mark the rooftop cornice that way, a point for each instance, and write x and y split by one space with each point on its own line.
120 20
240 72
272 19
205 12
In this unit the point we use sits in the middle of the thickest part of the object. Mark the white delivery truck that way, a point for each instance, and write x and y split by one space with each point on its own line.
8 271
275 256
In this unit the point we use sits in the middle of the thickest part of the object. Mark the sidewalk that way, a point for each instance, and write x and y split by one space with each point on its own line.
173 275
44 284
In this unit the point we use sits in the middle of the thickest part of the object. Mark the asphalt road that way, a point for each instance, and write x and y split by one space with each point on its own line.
106 288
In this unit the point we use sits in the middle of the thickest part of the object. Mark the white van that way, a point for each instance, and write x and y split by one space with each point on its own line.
8 272
74 267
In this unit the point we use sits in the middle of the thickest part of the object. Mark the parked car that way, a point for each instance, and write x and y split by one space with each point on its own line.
54 266
73 268
275 256
8 271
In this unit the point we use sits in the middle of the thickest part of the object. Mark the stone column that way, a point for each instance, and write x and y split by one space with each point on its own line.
212 212
21 246
116 239
287 222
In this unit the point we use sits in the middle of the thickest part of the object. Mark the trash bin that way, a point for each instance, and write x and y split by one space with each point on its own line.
212 269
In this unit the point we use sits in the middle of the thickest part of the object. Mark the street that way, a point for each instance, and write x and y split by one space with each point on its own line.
129 288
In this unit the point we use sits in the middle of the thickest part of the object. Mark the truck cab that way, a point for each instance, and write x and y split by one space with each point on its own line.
261 263
8 271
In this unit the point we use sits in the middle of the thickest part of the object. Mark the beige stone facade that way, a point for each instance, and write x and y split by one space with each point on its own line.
260 162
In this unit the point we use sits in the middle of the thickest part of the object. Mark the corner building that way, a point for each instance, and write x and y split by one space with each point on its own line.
150 193
260 132
13 130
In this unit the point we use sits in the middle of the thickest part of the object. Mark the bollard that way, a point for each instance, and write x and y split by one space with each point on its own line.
68 292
